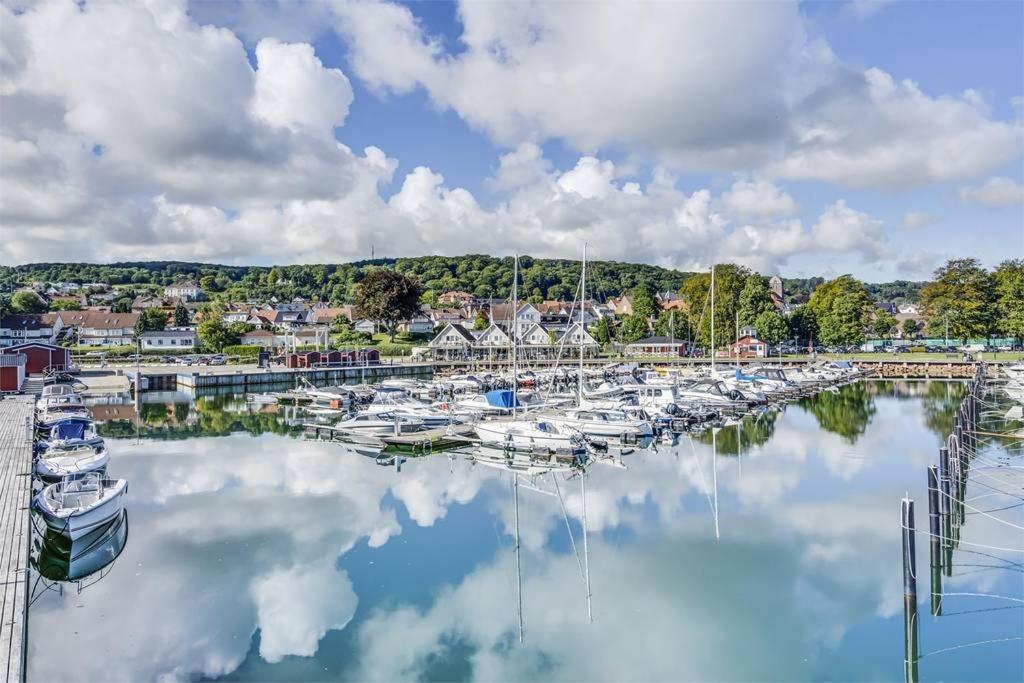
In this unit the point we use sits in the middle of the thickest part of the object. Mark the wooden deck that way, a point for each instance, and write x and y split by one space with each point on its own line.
15 530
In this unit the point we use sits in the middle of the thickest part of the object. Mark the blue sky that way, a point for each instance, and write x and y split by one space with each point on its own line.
870 137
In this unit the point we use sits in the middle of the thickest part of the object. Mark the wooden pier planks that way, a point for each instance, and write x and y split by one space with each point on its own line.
15 531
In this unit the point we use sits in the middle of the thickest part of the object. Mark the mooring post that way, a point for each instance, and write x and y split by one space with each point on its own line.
934 543
909 593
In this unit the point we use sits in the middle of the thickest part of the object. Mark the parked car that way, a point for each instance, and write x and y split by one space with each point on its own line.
218 359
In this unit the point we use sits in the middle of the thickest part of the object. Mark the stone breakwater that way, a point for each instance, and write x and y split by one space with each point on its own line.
923 369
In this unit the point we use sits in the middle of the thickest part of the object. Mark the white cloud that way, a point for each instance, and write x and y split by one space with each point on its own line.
751 199
840 228
596 76
913 220
995 192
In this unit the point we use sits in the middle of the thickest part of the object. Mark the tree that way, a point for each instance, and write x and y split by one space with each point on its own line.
27 302
633 328
644 303
884 324
1008 283
755 299
842 309
65 305
673 324
181 315
480 322
122 305
960 295
213 333
601 331
911 328
771 327
388 297
150 320
802 325
730 280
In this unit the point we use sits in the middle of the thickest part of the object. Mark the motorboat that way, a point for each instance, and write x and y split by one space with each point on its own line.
74 507
601 423
379 423
529 433
69 433
62 559
497 402
401 404
261 399
71 462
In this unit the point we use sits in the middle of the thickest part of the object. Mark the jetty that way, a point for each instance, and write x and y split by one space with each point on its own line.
17 426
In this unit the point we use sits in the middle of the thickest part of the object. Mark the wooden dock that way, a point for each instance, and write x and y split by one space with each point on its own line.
17 425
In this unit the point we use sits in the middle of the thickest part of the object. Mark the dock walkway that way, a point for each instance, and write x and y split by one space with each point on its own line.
17 416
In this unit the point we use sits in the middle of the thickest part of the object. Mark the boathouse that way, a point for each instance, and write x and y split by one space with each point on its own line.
41 357
12 371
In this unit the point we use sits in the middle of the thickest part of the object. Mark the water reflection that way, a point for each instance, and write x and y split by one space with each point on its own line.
272 558
56 558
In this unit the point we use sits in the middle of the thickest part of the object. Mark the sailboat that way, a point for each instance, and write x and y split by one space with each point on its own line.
525 433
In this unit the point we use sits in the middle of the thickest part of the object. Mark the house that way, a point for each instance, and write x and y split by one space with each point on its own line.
748 331
887 306
421 324
290 318
364 325
264 338
576 335
444 316
457 297
748 346
325 315
237 315
656 346
41 357
557 315
16 329
141 303
186 290
97 328
453 342
169 340
622 305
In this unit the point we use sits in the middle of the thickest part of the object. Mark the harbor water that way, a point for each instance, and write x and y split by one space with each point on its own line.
770 550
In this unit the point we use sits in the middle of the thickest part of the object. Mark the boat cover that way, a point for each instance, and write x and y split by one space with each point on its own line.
70 430
501 398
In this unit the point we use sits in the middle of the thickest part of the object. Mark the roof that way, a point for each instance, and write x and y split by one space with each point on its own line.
747 339
98 320
329 314
29 321
258 333
183 283
154 334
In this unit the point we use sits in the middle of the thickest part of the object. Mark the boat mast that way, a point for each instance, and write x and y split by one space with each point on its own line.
586 554
515 335
712 319
519 568
583 299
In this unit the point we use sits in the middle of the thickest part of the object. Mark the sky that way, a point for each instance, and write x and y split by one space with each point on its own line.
819 138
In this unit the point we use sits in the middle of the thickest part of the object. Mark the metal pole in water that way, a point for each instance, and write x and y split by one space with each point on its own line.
714 474
934 544
910 644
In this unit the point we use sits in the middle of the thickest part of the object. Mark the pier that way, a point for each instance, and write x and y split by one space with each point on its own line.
17 424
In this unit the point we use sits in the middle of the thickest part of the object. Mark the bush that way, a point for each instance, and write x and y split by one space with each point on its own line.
916 349
251 350
388 349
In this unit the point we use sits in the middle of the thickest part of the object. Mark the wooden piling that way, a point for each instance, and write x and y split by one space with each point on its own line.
910 642
934 540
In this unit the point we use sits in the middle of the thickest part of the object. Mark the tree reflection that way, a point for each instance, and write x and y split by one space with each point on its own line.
208 416
939 403
753 430
846 411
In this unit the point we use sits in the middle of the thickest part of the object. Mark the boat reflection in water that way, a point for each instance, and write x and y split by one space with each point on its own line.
84 561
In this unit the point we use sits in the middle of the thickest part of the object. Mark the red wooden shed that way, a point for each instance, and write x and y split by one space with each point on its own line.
40 356
12 371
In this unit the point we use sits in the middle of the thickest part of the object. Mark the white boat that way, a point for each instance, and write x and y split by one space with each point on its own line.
70 433
71 462
601 423
403 405
261 399
75 507
380 423
529 433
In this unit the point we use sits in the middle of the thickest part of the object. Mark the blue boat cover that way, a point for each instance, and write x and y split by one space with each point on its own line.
745 378
70 430
502 398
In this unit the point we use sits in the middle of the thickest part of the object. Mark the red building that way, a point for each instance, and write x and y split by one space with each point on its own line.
40 356
12 371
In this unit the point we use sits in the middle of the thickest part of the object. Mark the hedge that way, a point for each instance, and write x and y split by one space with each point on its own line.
243 349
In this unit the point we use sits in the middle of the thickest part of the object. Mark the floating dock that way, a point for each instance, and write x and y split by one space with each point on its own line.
17 426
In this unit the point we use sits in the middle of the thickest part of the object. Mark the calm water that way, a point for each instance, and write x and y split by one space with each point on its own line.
256 555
